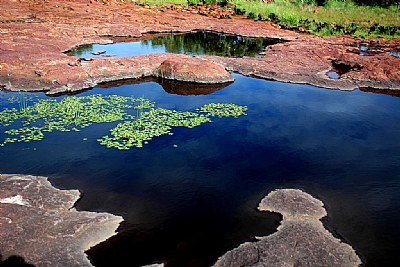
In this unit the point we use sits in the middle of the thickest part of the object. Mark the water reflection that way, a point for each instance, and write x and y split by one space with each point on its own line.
188 205
170 86
82 50
381 91
193 43
210 43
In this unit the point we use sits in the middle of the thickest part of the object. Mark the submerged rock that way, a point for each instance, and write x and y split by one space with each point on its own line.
39 224
301 239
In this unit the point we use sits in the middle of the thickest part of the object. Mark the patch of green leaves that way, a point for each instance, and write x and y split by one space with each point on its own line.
224 110
141 120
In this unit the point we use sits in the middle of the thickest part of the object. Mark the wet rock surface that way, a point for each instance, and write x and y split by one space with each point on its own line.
39 224
301 239
36 33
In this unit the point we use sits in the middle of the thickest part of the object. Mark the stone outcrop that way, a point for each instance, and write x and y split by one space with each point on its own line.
308 61
301 239
36 33
166 66
193 70
39 224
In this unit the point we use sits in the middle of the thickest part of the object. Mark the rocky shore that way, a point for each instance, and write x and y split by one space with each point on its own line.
36 34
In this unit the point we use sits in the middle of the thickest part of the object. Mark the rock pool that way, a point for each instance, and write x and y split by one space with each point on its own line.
189 197
192 43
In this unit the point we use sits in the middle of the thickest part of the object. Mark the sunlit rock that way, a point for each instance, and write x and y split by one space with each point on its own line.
193 70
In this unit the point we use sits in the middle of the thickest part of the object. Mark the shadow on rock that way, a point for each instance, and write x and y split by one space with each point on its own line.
14 261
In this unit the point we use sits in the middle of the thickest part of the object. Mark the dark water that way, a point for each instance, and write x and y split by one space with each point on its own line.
194 43
188 205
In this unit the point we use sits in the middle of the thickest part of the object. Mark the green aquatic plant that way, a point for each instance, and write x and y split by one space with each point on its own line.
70 114
224 110
23 103
150 124
140 120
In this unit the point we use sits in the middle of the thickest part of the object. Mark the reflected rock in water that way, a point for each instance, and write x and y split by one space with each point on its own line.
380 91
183 88
170 86
301 239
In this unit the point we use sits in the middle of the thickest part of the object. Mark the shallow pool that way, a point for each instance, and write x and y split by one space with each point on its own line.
188 197
192 43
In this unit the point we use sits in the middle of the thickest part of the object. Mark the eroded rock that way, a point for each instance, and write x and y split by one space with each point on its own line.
195 70
38 223
301 239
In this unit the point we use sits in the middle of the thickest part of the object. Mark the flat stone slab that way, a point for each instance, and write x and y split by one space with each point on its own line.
301 239
39 224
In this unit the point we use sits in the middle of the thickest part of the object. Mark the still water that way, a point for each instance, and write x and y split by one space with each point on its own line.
187 205
193 43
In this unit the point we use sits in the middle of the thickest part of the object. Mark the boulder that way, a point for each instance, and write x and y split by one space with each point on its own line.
193 69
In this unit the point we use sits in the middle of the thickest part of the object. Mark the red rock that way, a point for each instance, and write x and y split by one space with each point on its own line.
26 47
193 70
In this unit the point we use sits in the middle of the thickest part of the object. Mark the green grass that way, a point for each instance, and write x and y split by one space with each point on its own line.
335 18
